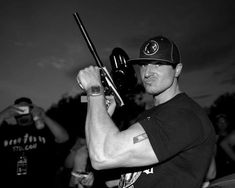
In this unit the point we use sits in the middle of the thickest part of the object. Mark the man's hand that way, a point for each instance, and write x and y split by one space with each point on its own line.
10 111
81 179
88 77
38 112
111 104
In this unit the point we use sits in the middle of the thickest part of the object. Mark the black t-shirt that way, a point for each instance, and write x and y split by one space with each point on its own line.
27 156
183 140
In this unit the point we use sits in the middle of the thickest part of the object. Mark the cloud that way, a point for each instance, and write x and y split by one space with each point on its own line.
208 49
230 81
56 62
200 97
22 44
204 31
73 71
225 73
66 57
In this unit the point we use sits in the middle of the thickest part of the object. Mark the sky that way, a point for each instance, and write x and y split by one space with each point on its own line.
42 48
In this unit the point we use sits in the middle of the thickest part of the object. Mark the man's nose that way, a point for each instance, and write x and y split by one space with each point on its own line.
148 70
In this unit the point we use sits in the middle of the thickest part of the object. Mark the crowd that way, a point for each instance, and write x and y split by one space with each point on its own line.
172 144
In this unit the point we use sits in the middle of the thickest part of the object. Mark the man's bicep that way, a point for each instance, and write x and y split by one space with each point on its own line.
136 149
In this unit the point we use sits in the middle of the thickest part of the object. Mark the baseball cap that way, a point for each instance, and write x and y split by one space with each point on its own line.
23 99
158 50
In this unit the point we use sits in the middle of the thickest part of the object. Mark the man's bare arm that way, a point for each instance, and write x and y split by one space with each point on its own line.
108 147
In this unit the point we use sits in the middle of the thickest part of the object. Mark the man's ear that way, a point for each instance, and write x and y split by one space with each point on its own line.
178 69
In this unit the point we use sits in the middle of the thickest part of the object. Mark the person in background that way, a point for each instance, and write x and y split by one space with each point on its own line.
225 151
81 172
77 163
169 145
28 143
211 173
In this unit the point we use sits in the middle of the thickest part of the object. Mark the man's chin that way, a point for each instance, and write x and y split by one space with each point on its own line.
151 91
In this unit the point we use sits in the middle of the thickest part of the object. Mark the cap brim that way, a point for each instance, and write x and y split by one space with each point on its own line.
144 61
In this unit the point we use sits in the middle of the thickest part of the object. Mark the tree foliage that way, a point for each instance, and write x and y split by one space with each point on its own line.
224 104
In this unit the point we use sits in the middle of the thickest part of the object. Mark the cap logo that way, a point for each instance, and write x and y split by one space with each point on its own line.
151 48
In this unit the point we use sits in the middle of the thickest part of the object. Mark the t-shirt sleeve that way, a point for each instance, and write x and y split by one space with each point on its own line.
172 132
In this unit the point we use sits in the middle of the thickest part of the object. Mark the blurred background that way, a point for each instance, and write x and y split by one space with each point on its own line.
42 48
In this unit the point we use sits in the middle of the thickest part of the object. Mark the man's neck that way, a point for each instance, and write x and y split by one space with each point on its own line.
166 95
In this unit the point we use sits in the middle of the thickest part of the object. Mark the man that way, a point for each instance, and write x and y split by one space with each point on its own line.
28 140
170 145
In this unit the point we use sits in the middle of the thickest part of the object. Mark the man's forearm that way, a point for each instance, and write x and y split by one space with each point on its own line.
58 131
99 128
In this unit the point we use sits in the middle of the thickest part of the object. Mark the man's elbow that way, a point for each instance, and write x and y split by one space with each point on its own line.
62 139
65 138
98 165
100 162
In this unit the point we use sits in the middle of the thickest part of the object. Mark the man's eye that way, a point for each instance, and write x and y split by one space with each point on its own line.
151 65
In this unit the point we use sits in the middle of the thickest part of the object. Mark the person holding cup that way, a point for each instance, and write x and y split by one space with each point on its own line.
28 142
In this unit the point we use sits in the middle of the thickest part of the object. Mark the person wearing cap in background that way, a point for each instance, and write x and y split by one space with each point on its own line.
170 145
28 143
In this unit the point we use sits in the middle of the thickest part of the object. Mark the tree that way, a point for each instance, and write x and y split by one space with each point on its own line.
224 104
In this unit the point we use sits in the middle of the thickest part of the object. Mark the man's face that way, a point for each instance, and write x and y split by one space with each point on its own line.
157 78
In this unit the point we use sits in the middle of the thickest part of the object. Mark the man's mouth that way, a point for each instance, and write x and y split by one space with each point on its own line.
149 80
